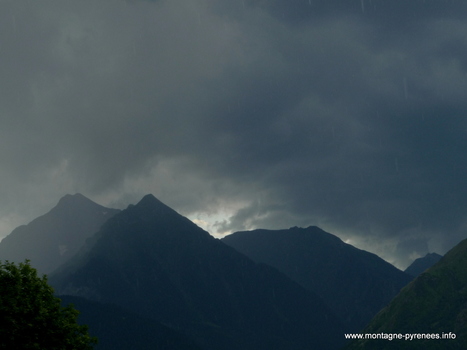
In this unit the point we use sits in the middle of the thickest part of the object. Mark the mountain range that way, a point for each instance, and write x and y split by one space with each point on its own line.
148 278
354 283
152 261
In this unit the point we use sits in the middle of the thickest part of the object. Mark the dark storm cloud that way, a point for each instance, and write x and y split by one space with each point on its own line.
345 114
375 126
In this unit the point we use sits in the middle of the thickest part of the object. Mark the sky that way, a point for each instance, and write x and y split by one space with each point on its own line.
350 115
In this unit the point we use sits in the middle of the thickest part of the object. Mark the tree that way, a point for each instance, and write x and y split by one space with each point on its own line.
31 317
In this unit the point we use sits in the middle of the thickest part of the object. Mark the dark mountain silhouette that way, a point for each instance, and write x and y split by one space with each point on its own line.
435 303
51 239
421 264
118 329
354 283
153 261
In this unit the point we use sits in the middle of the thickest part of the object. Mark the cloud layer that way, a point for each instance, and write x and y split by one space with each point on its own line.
350 115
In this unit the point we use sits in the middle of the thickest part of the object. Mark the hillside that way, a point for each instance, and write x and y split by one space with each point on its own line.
434 303
118 329
354 283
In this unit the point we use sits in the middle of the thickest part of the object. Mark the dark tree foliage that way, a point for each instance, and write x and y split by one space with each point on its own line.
31 317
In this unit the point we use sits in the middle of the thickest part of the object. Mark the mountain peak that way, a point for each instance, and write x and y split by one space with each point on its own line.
150 204
73 199
421 264
149 199
73 203
70 197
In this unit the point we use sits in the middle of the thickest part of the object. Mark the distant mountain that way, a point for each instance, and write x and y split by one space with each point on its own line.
118 329
421 264
435 303
354 283
51 239
153 261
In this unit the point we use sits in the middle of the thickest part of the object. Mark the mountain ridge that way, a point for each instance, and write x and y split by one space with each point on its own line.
151 260
354 283
421 264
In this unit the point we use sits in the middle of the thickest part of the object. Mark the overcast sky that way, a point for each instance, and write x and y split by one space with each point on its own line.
349 114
